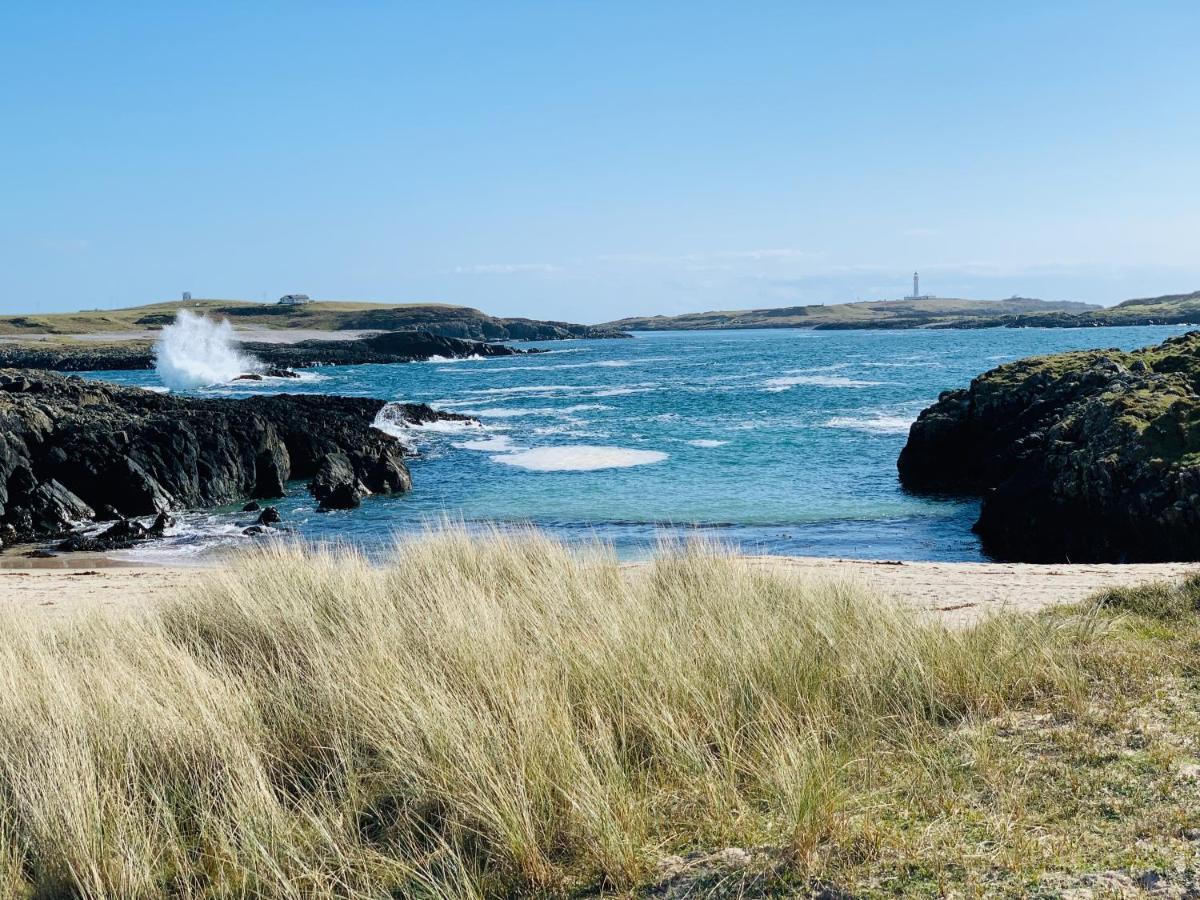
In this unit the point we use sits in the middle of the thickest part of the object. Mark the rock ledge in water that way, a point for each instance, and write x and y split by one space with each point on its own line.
75 452
1090 456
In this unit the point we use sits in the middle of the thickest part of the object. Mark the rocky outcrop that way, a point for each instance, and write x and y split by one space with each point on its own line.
1088 456
391 347
75 452
124 534
337 485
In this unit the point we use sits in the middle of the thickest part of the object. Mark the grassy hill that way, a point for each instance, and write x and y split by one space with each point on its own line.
1171 309
922 312
443 319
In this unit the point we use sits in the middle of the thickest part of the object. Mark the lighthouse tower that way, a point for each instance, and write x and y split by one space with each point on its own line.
916 286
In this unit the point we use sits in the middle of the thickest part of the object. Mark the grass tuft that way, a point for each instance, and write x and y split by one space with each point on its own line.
499 716
1156 600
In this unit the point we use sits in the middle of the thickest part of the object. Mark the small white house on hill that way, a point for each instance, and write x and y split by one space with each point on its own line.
294 300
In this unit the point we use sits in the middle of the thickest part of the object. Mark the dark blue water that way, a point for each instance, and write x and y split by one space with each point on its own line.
780 442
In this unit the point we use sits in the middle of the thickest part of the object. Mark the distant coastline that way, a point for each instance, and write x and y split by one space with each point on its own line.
932 312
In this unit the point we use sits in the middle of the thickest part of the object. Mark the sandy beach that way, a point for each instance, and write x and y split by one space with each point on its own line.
957 593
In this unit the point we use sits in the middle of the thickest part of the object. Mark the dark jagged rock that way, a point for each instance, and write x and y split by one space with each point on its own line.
267 373
252 506
390 347
1089 456
280 359
337 485
269 516
124 534
70 448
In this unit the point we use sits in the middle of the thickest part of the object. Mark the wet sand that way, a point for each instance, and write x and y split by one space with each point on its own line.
957 593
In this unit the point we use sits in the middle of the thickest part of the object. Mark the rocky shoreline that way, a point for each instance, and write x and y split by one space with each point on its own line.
1091 456
389 347
74 453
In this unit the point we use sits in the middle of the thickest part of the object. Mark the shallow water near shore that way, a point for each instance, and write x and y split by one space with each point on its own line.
776 442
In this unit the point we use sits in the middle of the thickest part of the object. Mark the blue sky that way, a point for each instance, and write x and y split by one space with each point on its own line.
590 160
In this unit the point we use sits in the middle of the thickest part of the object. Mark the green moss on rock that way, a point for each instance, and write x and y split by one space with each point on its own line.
1087 456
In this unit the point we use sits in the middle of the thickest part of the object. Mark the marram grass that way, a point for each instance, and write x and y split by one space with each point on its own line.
484 716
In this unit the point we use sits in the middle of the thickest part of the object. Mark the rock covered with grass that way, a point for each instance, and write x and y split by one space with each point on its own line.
75 452
1089 456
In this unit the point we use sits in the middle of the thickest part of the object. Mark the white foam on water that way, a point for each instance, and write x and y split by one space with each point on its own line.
872 424
475 357
506 412
707 442
447 426
195 352
500 443
830 381
390 420
579 458
618 392
531 389
595 364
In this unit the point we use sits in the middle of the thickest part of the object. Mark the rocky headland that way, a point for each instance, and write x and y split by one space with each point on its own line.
74 453
1091 456
389 347
330 316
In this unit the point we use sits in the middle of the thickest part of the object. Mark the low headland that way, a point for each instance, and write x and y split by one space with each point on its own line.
933 312
441 319
74 355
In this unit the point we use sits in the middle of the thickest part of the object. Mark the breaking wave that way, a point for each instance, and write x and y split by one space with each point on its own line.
872 424
194 352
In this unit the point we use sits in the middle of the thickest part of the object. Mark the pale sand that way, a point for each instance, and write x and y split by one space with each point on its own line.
962 592
84 588
954 592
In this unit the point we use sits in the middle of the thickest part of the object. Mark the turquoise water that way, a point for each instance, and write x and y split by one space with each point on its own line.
778 441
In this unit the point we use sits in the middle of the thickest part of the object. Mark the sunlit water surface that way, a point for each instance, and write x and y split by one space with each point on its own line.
778 442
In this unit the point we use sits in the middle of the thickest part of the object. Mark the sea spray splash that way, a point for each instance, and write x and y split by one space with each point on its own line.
194 352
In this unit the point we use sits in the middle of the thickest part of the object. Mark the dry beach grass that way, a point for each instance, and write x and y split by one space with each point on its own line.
498 716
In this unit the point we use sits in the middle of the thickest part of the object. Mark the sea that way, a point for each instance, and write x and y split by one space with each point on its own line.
770 441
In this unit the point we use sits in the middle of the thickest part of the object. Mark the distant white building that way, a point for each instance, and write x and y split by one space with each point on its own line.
187 295
916 294
294 299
